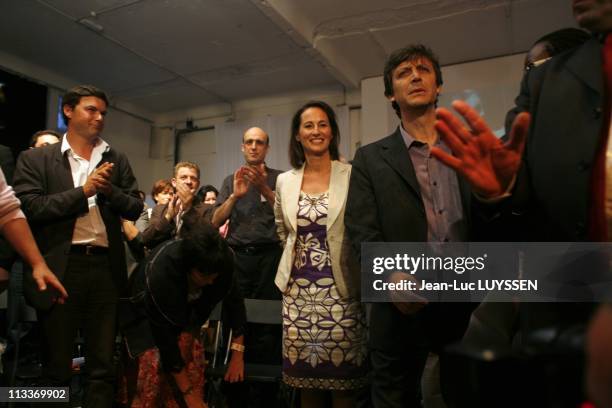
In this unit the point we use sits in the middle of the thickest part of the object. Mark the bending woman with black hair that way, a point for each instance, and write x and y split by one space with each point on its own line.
174 291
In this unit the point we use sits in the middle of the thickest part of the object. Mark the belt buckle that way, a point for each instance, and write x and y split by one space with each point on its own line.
89 249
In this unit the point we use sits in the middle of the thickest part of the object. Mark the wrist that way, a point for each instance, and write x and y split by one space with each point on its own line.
37 263
89 191
237 347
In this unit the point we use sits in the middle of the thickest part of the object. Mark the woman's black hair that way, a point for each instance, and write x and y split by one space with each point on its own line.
203 247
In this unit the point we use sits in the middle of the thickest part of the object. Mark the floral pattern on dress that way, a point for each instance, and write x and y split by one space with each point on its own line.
152 387
323 334
312 209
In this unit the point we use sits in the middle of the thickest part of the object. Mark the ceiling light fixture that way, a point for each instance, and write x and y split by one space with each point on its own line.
92 25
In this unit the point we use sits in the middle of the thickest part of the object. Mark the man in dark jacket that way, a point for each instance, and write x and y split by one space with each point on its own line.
74 194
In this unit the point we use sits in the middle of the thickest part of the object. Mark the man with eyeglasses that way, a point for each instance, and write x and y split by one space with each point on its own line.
552 44
247 200
541 51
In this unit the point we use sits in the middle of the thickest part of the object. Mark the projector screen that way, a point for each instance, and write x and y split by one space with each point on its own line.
490 86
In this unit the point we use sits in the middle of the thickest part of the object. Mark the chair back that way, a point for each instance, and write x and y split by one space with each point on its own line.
263 311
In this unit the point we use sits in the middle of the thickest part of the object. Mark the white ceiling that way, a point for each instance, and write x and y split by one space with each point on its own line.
166 55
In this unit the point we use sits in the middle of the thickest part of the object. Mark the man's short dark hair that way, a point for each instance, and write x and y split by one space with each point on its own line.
40 133
296 151
74 95
409 53
202 245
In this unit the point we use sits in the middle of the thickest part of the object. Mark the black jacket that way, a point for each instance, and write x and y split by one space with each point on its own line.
384 204
43 182
161 310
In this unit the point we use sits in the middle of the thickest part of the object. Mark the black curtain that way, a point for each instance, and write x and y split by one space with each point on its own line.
23 111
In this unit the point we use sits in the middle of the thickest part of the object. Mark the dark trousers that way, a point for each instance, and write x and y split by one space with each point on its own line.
91 305
256 269
396 377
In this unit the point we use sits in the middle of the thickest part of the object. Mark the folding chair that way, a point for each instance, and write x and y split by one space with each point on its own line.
215 369
257 311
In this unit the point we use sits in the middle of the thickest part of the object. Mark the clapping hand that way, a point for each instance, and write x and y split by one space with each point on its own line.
99 180
241 184
185 195
255 176
173 208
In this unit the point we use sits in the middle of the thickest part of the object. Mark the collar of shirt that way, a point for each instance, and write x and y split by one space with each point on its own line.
100 147
411 141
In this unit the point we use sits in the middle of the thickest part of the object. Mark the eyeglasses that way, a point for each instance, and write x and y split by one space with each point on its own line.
535 64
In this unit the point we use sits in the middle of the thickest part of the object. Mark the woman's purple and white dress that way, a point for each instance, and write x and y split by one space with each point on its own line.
323 334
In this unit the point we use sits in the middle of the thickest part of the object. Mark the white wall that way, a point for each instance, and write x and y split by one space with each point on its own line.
132 137
201 147
273 114
491 84
377 117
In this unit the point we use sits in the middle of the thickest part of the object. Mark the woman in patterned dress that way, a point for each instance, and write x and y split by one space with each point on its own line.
323 322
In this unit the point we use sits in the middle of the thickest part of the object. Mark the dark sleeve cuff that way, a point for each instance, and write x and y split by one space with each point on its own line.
166 340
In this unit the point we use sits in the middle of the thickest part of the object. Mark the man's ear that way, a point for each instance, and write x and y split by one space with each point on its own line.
173 181
67 111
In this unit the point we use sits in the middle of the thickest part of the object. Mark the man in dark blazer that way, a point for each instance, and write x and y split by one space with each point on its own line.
399 193
74 194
